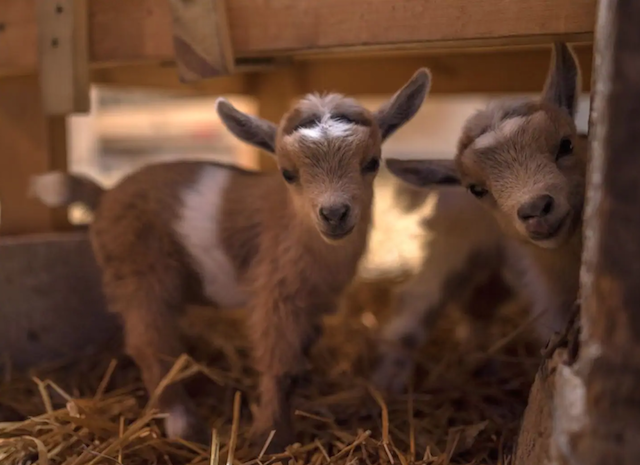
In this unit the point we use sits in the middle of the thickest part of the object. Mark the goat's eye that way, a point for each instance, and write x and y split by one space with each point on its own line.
289 176
565 148
343 119
371 166
478 191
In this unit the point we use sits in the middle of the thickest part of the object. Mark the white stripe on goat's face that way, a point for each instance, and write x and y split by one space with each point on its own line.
506 129
327 128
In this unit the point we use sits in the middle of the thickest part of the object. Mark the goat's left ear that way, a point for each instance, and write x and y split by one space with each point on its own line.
404 104
563 84
424 173
250 129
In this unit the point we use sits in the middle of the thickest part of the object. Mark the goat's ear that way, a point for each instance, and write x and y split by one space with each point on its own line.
404 104
250 129
563 84
423 173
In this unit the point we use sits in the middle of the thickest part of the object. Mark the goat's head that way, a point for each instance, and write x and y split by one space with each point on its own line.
328 151
521 158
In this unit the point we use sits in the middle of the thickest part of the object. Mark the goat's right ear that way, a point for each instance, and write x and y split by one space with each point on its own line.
404 104
250 129
563 84
423 173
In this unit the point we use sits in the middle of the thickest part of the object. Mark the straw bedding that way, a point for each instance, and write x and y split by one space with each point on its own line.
462 408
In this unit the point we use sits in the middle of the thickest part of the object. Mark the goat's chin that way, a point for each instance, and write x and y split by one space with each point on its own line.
335 237
559 238
551 243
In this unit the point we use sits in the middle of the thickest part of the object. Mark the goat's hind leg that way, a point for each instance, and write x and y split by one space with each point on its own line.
418 309
152 340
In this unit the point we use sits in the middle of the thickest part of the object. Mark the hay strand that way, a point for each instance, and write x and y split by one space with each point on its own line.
267 443
215 448
233 441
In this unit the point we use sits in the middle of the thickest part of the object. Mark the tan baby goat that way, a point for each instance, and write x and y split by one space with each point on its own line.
284 244
525 162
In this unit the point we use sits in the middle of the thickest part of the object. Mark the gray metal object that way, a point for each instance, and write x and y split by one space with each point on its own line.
51 302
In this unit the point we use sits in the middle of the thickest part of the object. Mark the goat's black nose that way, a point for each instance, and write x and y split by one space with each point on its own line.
537 207
335 214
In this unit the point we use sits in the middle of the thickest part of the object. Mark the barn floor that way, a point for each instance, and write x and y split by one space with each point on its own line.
460 410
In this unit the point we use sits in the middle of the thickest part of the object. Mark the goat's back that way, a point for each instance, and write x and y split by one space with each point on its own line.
415 228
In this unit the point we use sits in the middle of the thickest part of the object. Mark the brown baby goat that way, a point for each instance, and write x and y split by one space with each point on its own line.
283 244
525 161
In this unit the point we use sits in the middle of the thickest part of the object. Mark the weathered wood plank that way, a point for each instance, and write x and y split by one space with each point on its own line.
29 144
166 77
64 56
455 72
140 31
594 393
609 363
201 39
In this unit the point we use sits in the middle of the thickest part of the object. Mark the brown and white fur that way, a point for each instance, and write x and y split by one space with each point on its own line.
525 162
283 244
429 250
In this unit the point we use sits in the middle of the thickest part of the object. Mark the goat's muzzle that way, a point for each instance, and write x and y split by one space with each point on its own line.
336 221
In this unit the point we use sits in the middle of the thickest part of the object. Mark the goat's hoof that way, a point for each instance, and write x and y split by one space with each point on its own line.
182 423
392 374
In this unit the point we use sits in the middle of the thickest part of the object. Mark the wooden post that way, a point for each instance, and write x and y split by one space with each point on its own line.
275 91
609 360
30 143
588 393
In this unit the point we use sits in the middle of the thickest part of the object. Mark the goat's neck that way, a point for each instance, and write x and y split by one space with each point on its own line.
561 266
336 262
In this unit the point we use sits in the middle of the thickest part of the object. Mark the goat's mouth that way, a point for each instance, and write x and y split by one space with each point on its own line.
553 232
336 235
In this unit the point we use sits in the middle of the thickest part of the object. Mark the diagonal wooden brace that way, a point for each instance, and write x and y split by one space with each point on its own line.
201 39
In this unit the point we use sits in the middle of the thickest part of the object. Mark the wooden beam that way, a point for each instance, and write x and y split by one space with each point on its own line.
140 31
495 71
29 144
64 56
166 77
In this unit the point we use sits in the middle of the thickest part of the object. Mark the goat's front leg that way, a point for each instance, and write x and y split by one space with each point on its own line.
480 305
417 310
282 331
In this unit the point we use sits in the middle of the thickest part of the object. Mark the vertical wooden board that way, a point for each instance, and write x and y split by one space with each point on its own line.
201 39
63 55
29 144
607 401
275 91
